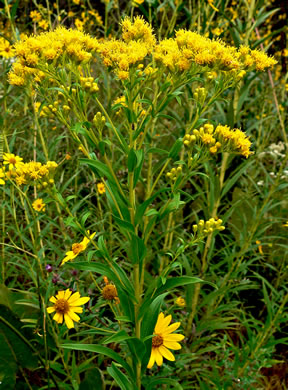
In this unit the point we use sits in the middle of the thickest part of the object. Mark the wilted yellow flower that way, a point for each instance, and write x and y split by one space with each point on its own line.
163 339
66 306
77 248
38 205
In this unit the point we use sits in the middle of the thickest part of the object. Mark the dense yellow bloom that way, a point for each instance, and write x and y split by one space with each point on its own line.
38 205
101 188
12 161
6 49
220 138
163 339
138 30
77 248
188 48
66 306
33 53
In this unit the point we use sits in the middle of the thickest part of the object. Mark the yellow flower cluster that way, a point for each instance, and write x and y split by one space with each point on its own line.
188 48
204 228
35 53
138 41
37 18
25 173
219 138
174 173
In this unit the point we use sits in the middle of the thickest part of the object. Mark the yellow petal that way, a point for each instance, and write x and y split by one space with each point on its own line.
152 359
68 321
79 301
53 299
69 256
60 294
163 324
171 344
174 337
166 353
76 309
58 317
67 294
74 297
50 309
73 316
171 328
158 357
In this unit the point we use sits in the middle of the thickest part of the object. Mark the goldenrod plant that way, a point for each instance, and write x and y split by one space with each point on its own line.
141 189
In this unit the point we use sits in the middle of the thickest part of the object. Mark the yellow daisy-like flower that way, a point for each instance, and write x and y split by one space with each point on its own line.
38 205
2 176
67 305
285 224
12 160
78 248
163 339
180 301
101 188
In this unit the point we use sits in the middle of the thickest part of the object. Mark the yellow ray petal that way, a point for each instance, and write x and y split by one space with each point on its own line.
68 321
174 337
60 294
171 328
76 309
53 299
79 301
58 317
166 353
74 316
67 294
50 309
158 357
172 344
152 359
74 297
163 324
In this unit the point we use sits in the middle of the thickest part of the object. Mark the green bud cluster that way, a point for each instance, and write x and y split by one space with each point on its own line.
174 173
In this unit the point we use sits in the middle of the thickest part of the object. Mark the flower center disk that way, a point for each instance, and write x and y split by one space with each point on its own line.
61 306
77 248
157 341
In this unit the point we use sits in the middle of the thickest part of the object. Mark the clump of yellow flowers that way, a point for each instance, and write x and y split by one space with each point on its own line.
221 138
35 53
28 173
203 228
187 51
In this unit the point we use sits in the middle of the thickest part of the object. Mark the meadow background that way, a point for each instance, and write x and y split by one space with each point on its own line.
124 172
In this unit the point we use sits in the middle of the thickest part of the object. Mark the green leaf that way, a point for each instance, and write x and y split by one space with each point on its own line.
103 351
132 160
176 149
176 385
124 224
93 380
142 208
120 378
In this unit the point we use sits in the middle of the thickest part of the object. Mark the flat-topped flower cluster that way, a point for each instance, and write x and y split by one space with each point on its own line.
138 43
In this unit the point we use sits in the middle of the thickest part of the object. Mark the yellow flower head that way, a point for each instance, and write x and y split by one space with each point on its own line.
67 305
6 49
38 205
163 339
180 301
101 188
12 161
78 248
2 176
